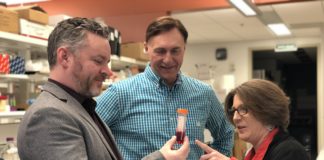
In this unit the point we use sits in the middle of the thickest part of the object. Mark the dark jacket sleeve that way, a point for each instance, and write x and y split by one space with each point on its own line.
289 150
285 147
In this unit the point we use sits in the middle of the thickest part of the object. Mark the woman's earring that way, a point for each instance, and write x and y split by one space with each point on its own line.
270 127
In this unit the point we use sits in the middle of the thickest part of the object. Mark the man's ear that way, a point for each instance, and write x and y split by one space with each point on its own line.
145 47
63 56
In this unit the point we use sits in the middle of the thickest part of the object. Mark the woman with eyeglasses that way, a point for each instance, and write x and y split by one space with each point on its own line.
259 110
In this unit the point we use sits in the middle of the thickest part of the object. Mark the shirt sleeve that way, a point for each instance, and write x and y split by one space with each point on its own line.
108 106
220 128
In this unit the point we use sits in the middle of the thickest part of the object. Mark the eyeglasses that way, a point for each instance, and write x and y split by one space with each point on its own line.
241 110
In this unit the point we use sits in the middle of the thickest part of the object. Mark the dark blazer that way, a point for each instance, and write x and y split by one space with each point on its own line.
285 147
57 127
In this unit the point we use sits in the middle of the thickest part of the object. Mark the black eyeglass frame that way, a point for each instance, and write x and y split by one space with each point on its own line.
241 110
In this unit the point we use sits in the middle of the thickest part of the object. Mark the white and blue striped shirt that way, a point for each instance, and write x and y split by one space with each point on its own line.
141 113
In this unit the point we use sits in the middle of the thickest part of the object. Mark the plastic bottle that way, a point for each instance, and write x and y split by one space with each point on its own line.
3 103
181 125
12 151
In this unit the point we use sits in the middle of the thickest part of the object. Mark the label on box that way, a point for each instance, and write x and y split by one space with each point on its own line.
35 30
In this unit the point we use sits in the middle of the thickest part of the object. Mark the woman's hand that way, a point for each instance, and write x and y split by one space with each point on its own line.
211 154
180 154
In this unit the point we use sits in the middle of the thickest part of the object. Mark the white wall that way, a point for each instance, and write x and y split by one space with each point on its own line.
320 94
239 54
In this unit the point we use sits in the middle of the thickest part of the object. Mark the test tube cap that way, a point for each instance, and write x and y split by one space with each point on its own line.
182 111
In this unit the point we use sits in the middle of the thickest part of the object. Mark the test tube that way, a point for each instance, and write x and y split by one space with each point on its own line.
181 126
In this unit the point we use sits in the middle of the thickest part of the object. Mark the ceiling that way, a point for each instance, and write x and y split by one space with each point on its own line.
227 25
208 21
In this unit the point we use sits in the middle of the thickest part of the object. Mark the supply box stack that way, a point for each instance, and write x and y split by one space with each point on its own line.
8 20
33 21
134 50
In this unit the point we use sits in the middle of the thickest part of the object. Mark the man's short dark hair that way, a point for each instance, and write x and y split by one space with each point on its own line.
164 24
72 33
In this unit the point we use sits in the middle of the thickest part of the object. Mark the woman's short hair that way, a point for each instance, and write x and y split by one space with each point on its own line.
264 100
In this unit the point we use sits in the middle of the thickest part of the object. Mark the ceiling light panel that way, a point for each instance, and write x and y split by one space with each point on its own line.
279 29
244 6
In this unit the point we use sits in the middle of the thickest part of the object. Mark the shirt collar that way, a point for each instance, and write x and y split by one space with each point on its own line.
156 79
260 153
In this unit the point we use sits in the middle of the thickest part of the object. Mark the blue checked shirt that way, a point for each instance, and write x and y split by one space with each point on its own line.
141 113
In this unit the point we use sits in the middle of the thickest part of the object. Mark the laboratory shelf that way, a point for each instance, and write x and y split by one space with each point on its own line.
12 117
17 39
13 114
14 76
16 43
119 63
38 77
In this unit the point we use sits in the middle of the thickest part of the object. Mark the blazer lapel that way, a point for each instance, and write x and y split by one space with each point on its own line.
111 137
103 139
78 109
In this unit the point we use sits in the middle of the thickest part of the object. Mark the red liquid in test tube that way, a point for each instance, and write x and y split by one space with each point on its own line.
180 137
181 125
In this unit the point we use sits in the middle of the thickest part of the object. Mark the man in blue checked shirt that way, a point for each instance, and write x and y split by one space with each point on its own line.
141 110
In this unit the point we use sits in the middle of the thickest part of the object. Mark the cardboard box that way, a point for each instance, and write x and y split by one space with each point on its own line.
35 30
32 13
9 21
134 50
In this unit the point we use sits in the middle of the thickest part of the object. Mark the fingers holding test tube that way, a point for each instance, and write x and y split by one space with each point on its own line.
179 154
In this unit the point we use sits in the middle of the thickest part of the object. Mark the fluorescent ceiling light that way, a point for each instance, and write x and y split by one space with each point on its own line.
279 29
243 6
12 2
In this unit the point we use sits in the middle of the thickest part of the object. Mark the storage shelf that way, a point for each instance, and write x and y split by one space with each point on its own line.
16 38
13 117
13 114
13 76
17 77
119 63
19 42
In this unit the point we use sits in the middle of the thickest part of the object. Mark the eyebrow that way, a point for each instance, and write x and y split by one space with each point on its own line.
241 105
